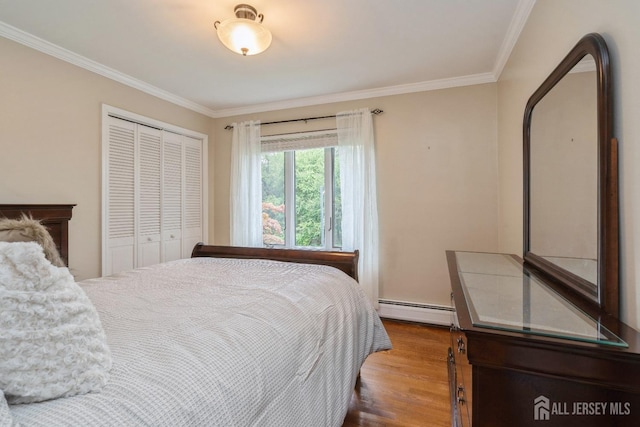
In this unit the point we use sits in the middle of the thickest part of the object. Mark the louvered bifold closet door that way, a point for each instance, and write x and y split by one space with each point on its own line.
149 196
120 197
172 196
154 207
192 194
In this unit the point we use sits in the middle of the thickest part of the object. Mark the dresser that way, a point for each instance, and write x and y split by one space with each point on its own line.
524 354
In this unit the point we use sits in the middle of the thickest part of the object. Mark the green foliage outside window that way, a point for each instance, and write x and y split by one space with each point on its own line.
309 188
273 199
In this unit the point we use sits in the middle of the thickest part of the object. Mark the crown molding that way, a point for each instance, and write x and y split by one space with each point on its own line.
360 94
34 42
520 17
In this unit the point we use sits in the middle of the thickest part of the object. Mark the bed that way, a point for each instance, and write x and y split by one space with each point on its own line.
229 337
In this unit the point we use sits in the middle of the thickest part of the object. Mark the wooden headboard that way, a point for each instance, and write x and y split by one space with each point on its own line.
54 217
345 261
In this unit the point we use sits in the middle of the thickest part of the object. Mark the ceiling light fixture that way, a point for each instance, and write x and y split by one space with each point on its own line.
244 34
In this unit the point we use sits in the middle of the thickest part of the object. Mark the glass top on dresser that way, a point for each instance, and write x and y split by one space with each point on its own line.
501 294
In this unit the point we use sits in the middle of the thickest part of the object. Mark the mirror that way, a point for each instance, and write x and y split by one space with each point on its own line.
562 174
570 177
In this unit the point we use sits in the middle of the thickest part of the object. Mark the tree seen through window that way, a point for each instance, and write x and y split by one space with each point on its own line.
313 212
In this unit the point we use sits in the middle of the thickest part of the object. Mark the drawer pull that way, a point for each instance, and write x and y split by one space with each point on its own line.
460 394
461 346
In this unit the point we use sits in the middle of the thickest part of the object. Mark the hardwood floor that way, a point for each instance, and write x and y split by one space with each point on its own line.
406 386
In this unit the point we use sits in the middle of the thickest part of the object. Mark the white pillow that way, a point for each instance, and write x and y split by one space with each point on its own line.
27 229
51 340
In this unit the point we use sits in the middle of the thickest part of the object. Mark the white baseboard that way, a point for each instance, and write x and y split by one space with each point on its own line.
414 312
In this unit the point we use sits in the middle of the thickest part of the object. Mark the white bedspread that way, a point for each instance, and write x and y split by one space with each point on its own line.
224 342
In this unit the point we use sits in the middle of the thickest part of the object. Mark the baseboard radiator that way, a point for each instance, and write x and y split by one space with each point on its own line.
416 312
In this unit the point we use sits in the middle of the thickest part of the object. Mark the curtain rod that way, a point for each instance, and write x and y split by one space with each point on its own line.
375 111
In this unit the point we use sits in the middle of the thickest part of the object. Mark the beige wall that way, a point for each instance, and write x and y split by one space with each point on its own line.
437 181
444 183
50 131
551 31
436 163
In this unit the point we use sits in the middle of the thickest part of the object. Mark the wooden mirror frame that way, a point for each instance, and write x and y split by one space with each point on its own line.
606 294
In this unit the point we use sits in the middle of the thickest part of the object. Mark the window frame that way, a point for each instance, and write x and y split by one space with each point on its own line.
328 205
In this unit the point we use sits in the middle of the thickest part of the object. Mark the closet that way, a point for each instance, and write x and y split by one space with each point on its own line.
153 194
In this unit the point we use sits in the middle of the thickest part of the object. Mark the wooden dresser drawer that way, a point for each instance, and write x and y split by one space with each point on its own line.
459 374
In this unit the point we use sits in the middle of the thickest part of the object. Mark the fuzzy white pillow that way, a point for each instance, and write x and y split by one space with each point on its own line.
27 229
51 340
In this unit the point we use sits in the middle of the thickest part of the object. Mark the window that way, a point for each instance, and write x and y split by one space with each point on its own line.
301 191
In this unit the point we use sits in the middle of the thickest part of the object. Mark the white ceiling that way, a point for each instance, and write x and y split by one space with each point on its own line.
322 50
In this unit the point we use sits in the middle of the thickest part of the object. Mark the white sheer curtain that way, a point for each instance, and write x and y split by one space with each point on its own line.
356 154
246 185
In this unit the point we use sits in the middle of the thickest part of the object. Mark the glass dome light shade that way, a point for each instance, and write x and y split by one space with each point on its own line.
244 36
